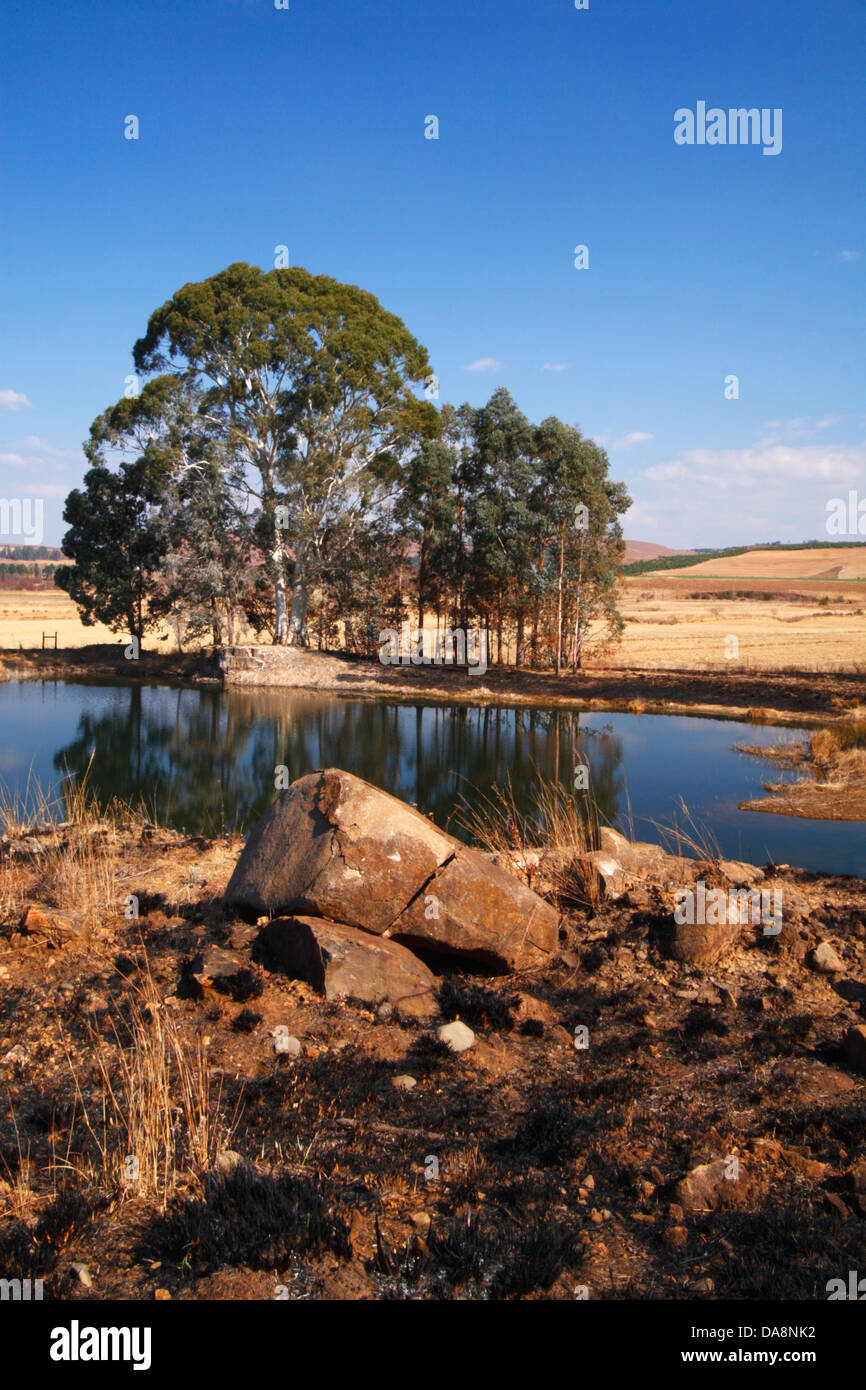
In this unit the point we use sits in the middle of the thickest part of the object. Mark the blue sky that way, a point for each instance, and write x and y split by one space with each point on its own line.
305 127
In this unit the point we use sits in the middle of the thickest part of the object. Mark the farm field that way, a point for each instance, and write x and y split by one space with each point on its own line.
26 614
822 563
797 608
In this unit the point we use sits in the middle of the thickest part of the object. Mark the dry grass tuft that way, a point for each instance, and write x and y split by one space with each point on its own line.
547 845
156 1119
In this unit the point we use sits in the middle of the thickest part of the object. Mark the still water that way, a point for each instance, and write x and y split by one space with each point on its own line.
204 760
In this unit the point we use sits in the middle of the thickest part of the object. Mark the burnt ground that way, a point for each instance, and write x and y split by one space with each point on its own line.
556 1167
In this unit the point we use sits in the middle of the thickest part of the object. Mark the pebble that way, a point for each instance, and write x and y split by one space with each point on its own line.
457 1036
404 1083
286 1043
826 960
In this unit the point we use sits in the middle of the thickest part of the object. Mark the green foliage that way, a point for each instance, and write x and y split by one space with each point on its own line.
117 542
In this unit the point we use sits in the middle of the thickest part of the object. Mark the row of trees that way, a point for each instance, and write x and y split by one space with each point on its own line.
282 468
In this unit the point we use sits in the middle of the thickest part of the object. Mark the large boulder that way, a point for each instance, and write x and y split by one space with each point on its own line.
475 909
342 962
334 846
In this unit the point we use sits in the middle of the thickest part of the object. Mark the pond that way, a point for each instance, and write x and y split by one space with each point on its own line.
204 760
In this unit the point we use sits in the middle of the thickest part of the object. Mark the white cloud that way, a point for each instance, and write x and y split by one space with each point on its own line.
850 255
725 469
483 364
556 366
629 441
12 400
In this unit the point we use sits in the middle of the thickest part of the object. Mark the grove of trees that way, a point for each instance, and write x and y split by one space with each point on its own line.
280 468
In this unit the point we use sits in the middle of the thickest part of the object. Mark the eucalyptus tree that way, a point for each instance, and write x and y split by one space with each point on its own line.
309 385
117 544
579 535
499 474
161 435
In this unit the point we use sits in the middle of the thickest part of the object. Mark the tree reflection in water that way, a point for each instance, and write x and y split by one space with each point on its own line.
205 760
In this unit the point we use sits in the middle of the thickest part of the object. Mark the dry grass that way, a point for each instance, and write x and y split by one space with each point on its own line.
547 844
77 868
156 1122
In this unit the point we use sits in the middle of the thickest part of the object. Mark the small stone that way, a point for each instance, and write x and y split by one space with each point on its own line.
676 1214
162 1295
404 1083
675 1237
385 1011
16 1057
94 1004
456 1035
421 1221
227 1160
285 1042
826 960
596 1217
83 1274
589 1181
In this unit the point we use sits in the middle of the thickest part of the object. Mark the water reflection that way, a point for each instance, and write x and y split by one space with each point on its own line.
205 760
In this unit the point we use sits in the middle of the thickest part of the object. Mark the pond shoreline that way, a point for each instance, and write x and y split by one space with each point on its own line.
803 697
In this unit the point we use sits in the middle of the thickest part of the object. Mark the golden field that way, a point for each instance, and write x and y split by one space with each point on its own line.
26 614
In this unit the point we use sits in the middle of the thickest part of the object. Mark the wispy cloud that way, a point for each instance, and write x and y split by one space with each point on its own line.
43 446
556 366
794 430
12 400
482 364
631 440
849 256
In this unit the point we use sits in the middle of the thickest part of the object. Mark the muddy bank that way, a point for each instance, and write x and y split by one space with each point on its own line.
766 698
832 784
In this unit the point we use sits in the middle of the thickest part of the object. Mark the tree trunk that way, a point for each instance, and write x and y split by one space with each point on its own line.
578 634
559 607
297 630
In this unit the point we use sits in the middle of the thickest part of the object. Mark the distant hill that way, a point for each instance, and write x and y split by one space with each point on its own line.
648 550
801 560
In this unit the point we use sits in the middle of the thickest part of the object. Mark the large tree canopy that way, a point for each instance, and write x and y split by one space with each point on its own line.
309 385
